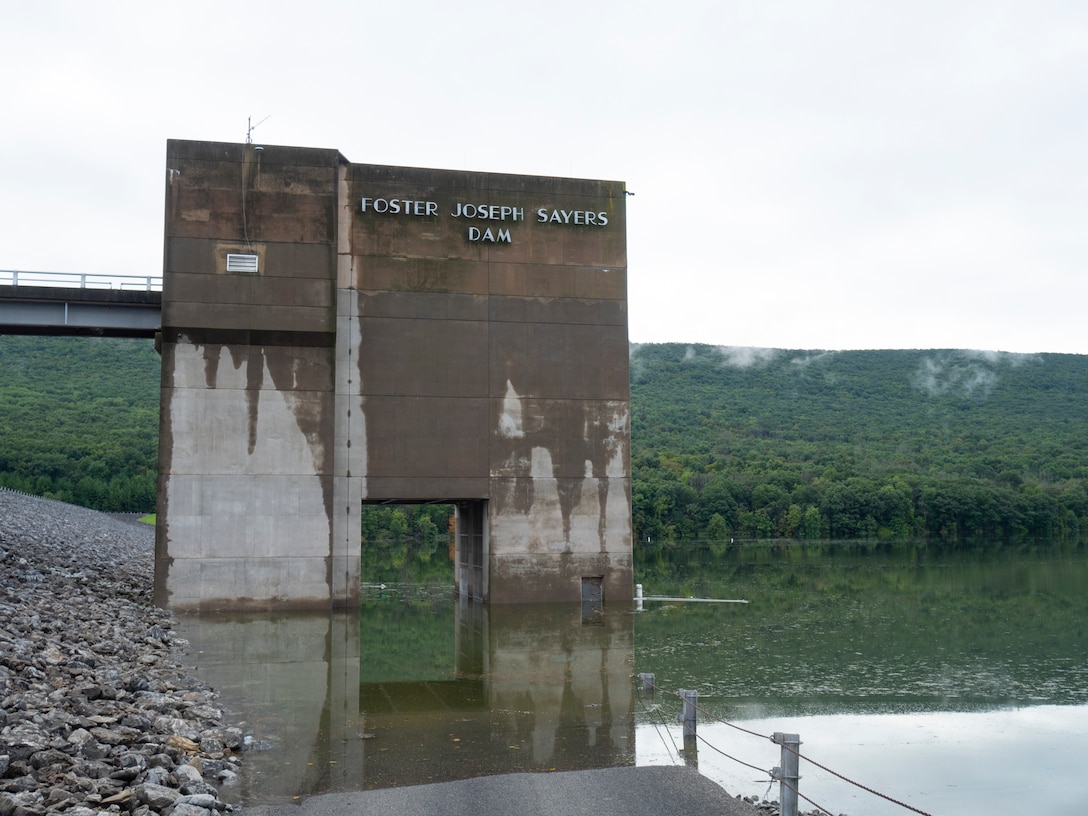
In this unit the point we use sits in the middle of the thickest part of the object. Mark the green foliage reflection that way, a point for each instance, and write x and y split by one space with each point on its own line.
870 626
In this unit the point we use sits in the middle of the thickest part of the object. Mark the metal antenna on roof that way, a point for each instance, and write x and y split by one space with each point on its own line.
250 127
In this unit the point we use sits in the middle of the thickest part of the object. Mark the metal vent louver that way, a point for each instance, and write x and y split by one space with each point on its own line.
241 263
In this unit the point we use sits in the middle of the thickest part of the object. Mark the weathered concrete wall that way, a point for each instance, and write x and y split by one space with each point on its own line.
410 335
498 369
247 428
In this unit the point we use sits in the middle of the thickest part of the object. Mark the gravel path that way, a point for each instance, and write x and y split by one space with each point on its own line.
96 714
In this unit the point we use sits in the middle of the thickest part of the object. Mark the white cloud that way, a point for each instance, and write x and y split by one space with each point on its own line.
967 373
746 357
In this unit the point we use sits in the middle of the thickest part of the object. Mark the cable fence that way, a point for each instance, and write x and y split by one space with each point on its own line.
786 774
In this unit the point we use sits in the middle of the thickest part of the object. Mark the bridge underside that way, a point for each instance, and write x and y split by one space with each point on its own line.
46 310
335 334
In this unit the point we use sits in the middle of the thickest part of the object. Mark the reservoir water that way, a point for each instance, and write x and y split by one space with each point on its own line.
952 681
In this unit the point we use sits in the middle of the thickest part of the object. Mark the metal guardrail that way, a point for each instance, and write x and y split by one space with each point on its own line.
77 280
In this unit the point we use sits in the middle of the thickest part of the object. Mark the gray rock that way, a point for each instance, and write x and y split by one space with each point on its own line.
184 809
211 746
156 797
21 803
58 796
93 704
19 784
187 775
204 800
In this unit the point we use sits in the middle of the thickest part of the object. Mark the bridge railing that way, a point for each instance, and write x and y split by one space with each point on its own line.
77 280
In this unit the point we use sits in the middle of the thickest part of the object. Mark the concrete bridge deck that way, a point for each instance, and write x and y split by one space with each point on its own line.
43 303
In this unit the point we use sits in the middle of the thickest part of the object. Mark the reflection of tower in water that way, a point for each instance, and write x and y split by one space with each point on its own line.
531 688
415 690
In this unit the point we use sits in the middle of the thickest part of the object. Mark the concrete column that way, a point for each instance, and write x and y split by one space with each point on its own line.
349 457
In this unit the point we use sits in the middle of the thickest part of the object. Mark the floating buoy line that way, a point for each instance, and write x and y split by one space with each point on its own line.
639 598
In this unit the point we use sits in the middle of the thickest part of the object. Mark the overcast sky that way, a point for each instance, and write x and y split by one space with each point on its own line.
807 175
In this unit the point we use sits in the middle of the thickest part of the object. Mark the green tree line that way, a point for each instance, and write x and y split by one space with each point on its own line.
759 444
726 443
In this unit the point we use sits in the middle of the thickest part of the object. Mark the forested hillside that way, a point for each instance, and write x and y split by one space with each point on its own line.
726 443
79 420
756 443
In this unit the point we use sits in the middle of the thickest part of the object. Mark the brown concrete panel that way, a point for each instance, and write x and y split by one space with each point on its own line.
418 180
567 361
558 310
297 292
401 489
422 275
218 214
222 214
299 260
262 174
582 438
426 436
246 192
253 292
602 284
576 246
206 212
550 281
202 288
309 293
556 188
278 172
266 318
291 156
534 427
290 218
201 256
424 357
532 280
423 306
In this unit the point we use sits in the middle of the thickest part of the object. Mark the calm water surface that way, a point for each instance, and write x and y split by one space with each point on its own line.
954 682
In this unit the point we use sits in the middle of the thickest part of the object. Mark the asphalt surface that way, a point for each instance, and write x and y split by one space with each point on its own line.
646 791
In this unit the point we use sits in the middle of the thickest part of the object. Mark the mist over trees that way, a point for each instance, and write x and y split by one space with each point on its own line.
953 445
727 443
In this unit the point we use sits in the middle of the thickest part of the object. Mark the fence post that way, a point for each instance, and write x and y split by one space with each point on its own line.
647 679
787 774
638 597
691 699
688 717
